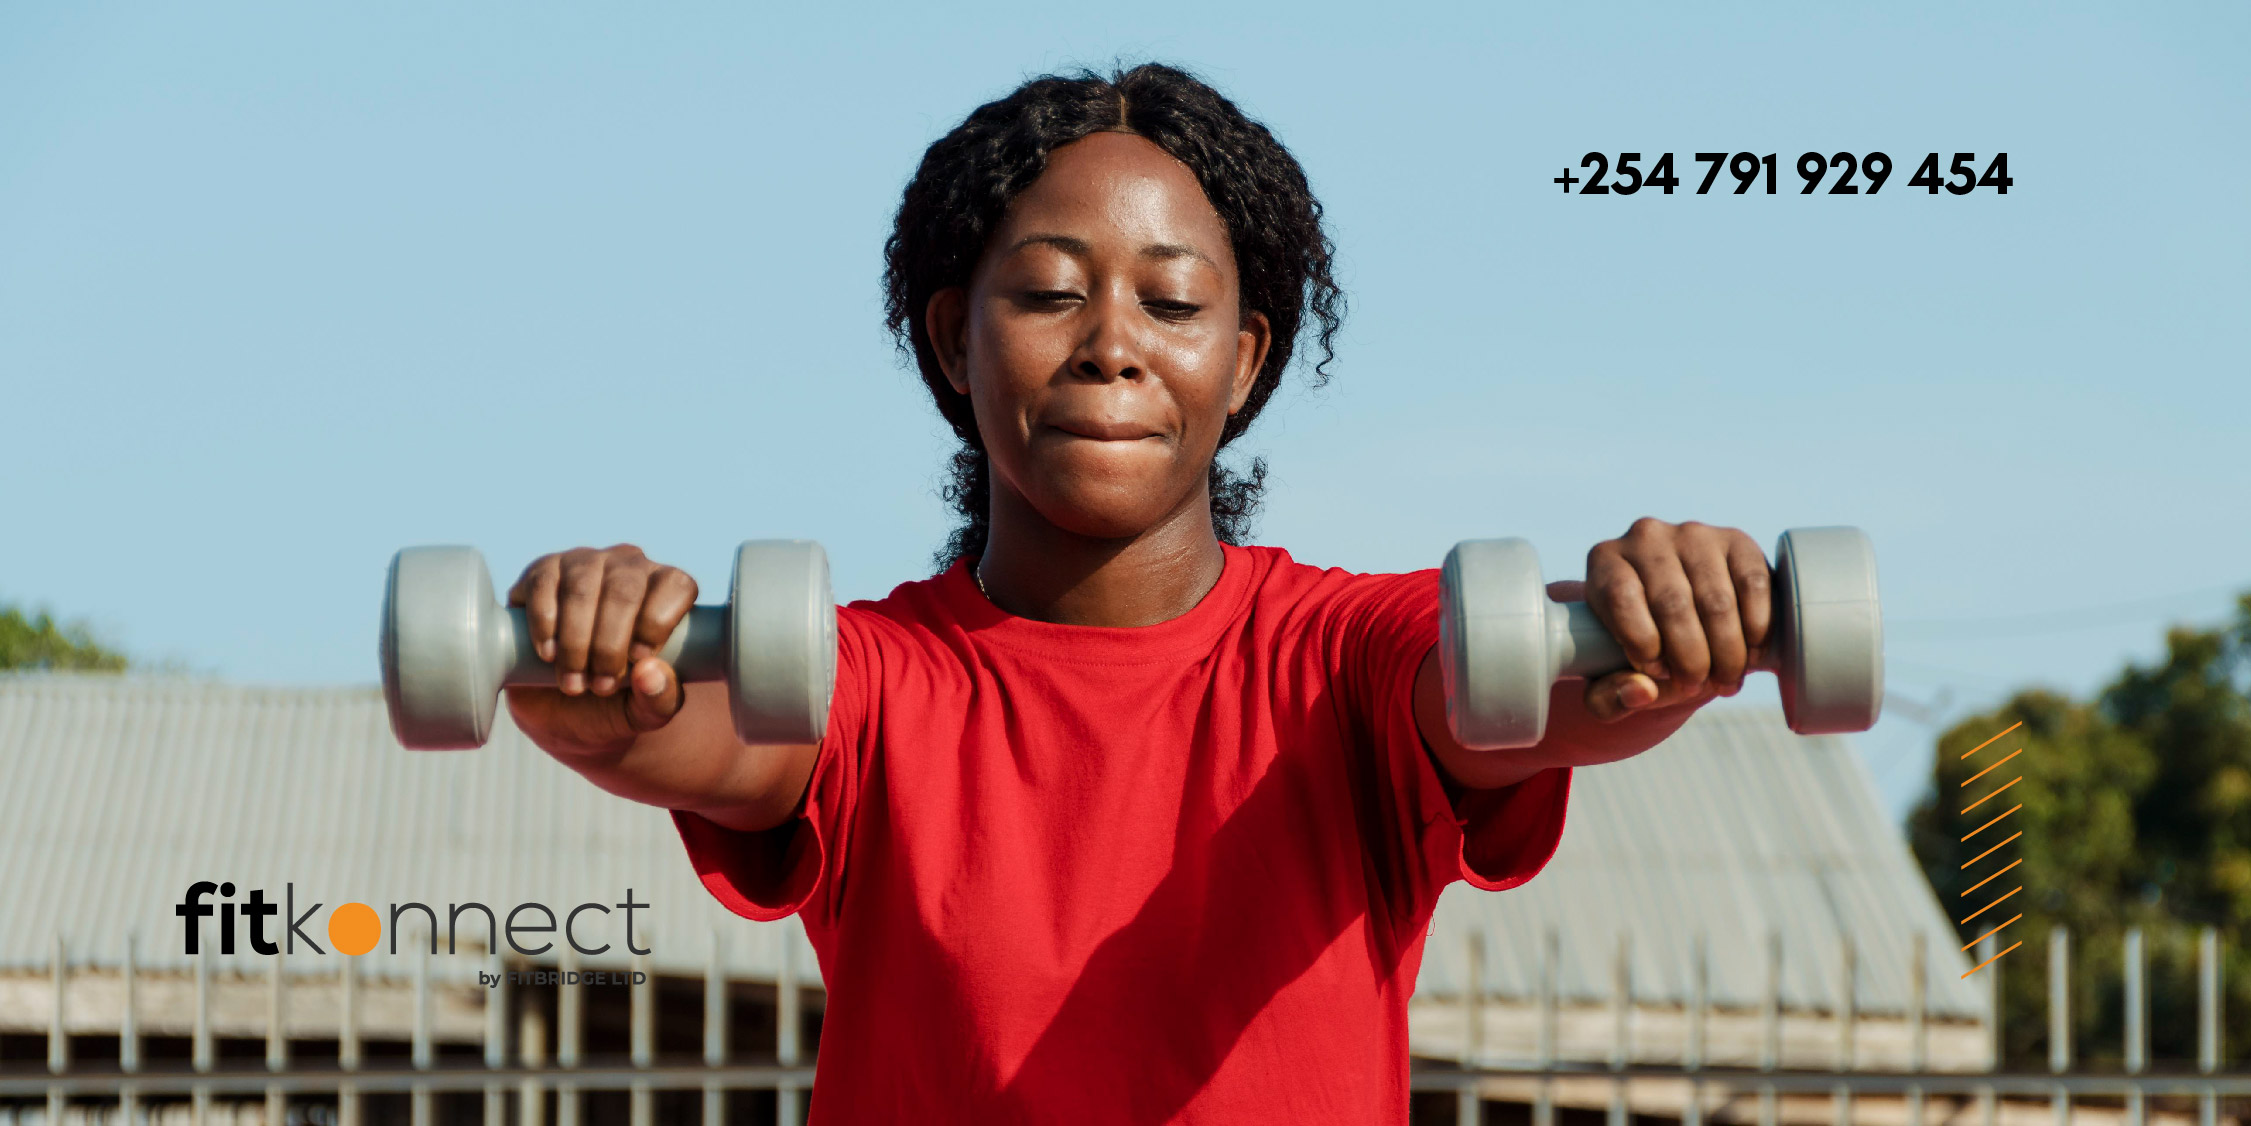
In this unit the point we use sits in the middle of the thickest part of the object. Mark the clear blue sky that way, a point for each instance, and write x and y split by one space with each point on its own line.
284 287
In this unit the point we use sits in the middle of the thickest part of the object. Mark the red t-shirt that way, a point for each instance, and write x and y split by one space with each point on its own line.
1086 875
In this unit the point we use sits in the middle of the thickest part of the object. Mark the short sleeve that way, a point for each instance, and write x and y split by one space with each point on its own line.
1426 830
797 866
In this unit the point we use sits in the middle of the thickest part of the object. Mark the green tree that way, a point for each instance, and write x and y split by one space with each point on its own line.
2136 812
40 643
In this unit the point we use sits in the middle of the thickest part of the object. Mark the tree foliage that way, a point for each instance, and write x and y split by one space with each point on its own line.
41 643
2136 812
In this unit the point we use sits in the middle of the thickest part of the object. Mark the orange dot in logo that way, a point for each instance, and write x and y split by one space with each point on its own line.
353 928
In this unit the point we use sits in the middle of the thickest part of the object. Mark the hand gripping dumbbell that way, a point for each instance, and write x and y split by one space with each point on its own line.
1502 643
449 647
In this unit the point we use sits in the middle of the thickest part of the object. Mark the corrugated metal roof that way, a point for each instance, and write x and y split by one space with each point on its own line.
116 793
1733 827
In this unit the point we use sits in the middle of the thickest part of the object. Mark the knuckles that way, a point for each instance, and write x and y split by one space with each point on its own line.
581 566
561 587
673 577
1672 602
1715 602
1649 530
1614 578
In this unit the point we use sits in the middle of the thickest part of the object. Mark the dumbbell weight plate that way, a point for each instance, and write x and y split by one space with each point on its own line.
441 653
781 657
1830 627
1493 653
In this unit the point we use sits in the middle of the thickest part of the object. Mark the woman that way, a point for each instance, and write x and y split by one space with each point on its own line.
1117 819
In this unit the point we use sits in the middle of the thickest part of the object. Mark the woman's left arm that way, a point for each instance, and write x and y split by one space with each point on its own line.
1690 605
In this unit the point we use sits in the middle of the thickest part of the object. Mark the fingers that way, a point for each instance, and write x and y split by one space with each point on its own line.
535 592
1672 602
1615 593
1620 694
579 607
1626 693
617 613
1754 593
597 614
593 613
1661 631
1689 605
651 697
641 603
1704 557
655 695
672 593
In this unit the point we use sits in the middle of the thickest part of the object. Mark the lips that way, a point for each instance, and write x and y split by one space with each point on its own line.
1105 431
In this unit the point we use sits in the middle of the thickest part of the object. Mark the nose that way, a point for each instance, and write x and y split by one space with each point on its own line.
1111 348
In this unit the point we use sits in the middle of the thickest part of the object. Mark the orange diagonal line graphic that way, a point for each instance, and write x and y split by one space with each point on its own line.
1990 906
1989 824
1996 930
1990 851
1989 769
1989 742
1993 877
1991 960
1991 796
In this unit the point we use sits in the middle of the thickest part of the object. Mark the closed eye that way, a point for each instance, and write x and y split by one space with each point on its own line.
1172 310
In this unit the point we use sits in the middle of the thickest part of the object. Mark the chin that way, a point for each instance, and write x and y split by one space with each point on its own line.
1107 511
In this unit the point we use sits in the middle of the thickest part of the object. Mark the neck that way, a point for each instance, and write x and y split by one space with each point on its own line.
1033 569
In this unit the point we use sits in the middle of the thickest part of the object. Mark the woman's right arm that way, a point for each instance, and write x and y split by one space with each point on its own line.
619 715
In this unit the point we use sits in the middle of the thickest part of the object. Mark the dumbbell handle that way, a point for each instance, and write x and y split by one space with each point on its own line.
697 649
1582 647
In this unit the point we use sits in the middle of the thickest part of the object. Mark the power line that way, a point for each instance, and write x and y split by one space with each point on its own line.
2048 621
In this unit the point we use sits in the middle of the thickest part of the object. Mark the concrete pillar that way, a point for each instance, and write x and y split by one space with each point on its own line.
129 1032
1918 1030
200 1051
1621 1029
348 1108
569 1026
785 1031
715 1027
531 1046
1699 1002
1543 1096
644 1021
58 1033
420 1111
2208 1022
2137 1022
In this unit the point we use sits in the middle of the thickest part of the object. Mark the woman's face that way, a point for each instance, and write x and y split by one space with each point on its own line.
1101 340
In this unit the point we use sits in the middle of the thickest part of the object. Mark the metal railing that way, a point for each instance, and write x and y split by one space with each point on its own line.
532 1078
1841 1082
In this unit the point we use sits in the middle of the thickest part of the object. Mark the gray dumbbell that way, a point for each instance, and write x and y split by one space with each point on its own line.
1503 643
449 647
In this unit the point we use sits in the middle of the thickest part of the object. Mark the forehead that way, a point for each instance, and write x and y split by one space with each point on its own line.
1118 189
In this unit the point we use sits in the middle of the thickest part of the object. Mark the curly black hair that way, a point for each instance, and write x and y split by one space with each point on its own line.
967 178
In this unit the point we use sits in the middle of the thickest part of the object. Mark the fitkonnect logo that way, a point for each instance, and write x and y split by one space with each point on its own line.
355 928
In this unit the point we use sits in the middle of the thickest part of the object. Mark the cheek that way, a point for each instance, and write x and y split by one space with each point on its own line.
1207 387
1012 360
